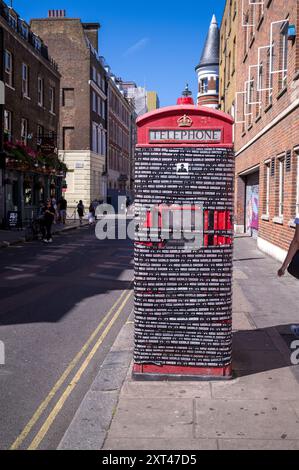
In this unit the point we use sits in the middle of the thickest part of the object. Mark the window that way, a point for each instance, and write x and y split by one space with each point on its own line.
281 164
104 143
7 125
8 68
68 135
40 133
68 97
204 85
24 30
25 74
94 74
37 43
52 99
228 67
267 188
99 105
250 101
103 109
283 56
297 198
24 131
94 102
13 21
94 137
99 139
234 55
269 82
40 91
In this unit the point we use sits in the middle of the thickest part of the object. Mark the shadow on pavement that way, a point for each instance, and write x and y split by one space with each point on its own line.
262 350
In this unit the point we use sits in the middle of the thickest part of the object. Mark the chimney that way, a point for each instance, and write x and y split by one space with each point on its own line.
57 14
92 32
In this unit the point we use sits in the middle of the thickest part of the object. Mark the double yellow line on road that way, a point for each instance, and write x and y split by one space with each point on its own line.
123 299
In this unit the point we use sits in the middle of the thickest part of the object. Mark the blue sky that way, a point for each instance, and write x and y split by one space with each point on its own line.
155 43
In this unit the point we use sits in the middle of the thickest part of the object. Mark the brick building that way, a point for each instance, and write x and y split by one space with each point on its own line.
122 139
32 170
267 122
208 69
228 55
83 103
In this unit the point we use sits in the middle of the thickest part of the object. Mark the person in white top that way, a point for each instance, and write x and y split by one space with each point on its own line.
294 247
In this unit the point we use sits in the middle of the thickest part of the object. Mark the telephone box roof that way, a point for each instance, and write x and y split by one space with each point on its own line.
179 109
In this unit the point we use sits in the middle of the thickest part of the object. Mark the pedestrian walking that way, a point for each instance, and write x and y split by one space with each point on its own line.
48 215
292 257
80 210
54 204
91 214
62 208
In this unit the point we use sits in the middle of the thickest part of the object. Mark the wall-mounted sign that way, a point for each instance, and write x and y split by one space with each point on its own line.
186 135
13 219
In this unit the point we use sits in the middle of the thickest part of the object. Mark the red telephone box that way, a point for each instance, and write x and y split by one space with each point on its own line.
183 297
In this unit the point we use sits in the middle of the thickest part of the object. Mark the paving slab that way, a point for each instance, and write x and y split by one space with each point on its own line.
279 384
246 419
156 390
165 418
160 444
257 361
261 444
257 340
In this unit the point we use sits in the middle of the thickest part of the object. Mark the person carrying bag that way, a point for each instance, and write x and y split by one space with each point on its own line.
291 264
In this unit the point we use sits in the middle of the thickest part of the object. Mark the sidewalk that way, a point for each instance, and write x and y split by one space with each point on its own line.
259 409
14 237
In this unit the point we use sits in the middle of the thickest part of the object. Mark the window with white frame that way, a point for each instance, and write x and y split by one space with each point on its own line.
94 138
281 176
37 43
13 21
40 133
24 130
104 143
204 85
267 188
7 124
283 55
24 30
8 67
40 91
99 150
297 198
94 101
99 106
52 99
25 80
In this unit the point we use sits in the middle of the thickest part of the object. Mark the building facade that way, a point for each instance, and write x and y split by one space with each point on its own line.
31 170
137 95
83 104
228 56
208 69
153 101
121 142
267 123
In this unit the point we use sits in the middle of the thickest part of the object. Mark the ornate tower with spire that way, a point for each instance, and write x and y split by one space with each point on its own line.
208 69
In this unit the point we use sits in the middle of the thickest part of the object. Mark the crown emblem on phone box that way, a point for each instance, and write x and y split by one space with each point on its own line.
185 121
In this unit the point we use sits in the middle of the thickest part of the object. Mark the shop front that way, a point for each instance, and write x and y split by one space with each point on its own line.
29 182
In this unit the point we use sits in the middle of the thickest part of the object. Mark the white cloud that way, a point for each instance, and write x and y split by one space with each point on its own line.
136 47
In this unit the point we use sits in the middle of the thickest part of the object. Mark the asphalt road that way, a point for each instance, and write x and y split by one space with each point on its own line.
61 308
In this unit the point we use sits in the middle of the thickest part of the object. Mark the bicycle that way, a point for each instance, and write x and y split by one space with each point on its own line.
33 230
